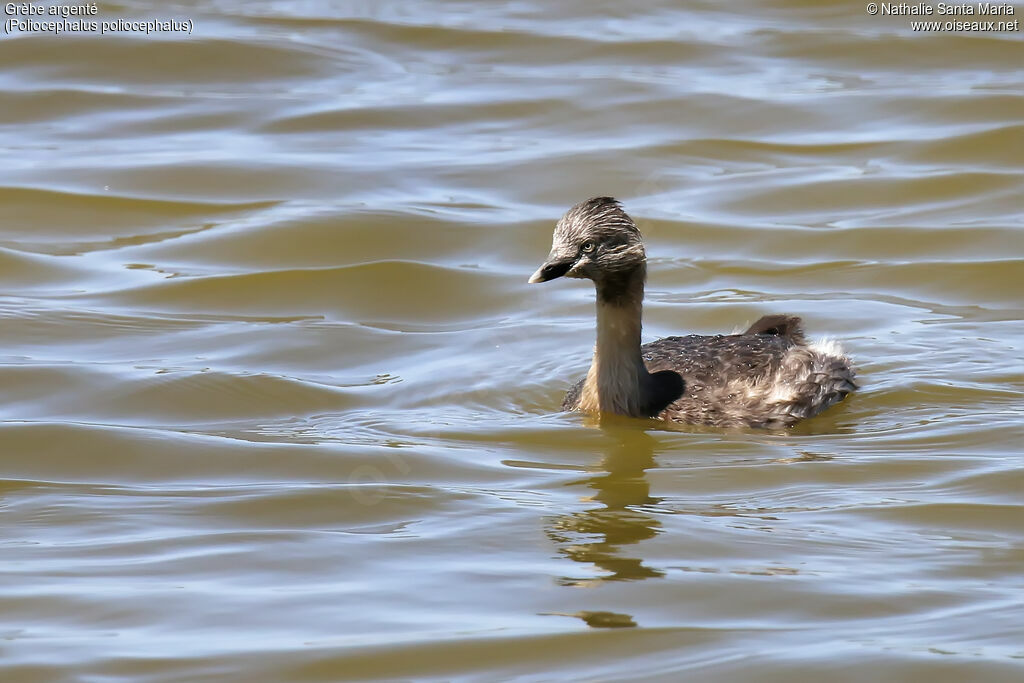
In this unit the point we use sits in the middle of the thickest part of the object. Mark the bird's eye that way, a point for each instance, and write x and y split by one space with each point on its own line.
588 247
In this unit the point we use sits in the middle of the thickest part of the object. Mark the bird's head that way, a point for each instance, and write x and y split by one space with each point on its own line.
595 240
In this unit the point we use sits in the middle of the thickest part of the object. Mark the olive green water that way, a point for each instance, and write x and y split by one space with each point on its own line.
278 405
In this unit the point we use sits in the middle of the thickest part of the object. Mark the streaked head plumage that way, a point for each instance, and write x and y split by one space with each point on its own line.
595 239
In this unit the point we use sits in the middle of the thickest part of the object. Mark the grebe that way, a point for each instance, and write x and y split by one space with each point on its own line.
768 376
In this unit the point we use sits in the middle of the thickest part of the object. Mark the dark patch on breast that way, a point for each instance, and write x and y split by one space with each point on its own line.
663 388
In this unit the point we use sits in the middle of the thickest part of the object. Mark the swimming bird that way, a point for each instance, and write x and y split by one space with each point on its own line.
768 376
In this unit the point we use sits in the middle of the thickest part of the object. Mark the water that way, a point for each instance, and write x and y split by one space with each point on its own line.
278 404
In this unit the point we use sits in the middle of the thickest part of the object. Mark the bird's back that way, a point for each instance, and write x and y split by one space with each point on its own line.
768 376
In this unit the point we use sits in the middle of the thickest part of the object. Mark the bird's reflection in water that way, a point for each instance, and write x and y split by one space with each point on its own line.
600 535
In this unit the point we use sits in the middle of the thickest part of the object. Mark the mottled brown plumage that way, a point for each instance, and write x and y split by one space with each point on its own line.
768 376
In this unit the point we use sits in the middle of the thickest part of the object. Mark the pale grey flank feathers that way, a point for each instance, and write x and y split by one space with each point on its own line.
768 376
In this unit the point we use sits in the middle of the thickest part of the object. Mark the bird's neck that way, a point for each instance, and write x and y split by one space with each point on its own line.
617 374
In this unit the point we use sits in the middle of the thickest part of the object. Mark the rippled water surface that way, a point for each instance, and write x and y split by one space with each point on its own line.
276 402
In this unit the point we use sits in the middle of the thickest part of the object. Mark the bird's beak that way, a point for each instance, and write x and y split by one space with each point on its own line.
555 266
